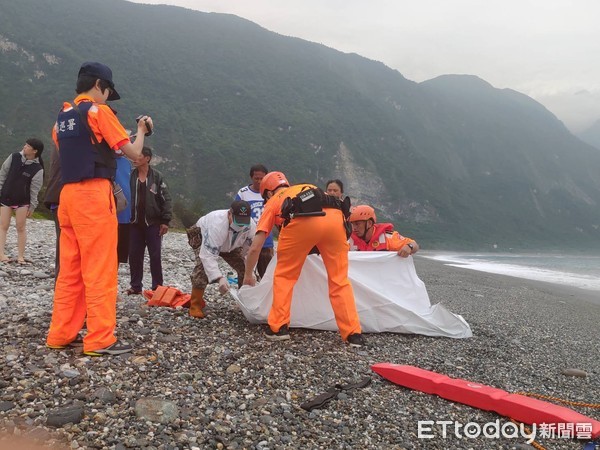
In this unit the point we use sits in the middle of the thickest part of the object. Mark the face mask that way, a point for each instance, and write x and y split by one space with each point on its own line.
238 228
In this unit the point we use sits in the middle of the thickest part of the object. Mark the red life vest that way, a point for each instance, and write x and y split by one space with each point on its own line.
384 238
378 239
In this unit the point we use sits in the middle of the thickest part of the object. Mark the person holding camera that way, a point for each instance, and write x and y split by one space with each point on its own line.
88 134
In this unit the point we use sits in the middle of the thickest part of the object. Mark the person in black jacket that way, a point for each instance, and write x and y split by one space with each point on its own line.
21 177
151 212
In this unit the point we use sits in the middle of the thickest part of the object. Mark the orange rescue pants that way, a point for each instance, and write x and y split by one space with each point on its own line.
87 280
295 241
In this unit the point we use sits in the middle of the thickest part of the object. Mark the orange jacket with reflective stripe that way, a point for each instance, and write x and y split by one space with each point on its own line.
384 238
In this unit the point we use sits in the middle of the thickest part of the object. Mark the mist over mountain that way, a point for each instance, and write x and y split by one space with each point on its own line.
453 161
591 135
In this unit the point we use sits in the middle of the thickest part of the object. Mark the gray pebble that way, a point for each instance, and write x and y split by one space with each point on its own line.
105 395
574 373
156 410
258 400
6 406
71 373
342 396
61 416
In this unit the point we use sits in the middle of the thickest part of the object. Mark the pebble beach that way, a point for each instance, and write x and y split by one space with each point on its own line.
217 383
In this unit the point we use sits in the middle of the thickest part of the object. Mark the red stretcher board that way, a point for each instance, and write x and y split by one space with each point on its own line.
518 407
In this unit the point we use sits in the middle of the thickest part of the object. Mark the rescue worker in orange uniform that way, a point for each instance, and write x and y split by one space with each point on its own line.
300 232
368 235
87 134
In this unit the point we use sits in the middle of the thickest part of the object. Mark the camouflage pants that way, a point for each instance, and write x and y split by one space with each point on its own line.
198 277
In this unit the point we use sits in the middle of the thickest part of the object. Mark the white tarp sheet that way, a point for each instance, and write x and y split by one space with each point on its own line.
389 297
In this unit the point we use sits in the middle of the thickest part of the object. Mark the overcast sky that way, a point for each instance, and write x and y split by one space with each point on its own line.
547 49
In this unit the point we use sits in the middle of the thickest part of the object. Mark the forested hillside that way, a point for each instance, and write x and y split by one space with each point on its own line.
452 161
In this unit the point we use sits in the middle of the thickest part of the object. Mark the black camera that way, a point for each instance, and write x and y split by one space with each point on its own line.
149 130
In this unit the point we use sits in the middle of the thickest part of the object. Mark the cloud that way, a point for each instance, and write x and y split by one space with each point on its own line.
544 49
577 111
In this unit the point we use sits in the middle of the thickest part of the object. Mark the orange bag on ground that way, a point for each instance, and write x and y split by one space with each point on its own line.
167 296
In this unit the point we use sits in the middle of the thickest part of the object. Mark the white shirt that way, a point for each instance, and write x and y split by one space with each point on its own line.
218 237
257 205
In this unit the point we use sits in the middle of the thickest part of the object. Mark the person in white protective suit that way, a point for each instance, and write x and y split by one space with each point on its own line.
225 233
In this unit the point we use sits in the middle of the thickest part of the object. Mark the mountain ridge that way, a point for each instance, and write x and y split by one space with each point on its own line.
591 135
453 161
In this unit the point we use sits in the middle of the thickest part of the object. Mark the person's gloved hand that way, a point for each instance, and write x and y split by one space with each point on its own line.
223 286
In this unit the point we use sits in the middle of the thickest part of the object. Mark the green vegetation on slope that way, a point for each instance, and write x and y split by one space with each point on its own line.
455 162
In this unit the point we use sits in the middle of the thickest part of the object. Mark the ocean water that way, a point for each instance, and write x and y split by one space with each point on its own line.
569 270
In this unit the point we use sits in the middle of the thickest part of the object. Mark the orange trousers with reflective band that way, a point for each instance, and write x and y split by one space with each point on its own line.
295 241
86 287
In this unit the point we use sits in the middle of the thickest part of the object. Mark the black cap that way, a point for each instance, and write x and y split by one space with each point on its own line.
103 72
241 211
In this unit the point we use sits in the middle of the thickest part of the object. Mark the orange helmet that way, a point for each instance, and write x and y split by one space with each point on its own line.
362 212
272 181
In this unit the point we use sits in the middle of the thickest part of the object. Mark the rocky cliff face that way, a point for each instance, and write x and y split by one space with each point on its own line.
364 186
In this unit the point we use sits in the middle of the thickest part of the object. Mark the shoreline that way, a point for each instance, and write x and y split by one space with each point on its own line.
235 390
552 289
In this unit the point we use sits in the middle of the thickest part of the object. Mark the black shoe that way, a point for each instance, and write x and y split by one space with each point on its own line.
356 340
77 342
118 348
282 335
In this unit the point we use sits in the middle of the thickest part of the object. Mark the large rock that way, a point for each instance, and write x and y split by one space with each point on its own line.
6 406
156 410
61 416
574 373
104 394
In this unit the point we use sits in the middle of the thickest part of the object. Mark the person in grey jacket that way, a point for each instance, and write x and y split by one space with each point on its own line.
51 199
151 212
21 178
